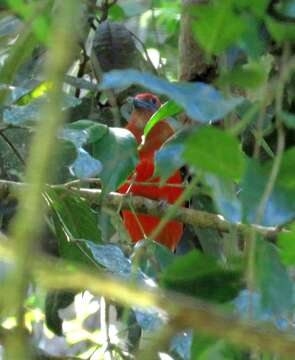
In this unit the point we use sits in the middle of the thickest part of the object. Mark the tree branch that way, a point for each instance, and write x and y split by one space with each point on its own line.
113 200
189 312
80 83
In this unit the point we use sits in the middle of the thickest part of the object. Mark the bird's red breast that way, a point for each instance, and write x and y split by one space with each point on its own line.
140 226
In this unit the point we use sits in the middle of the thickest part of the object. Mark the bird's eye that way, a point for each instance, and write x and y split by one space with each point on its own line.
153 100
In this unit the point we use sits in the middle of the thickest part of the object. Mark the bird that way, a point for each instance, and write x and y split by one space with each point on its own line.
140 226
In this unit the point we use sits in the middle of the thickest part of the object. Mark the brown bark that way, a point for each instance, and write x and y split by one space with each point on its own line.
193 64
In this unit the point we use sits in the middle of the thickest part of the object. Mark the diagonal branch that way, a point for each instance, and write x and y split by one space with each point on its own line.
188 312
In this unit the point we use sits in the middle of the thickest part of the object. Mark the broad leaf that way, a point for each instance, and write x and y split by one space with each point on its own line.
151 257
252 301
74 220
181 345
209 348
258 7
225 198
38 91
62 159
9 25
56 300
111 257
13 93
250 76
287 245
286 175
170 157
80 133
279 208
30 114
117 151
217 26
216 152
288 119
199 275
202 102
274 282
85 166
280 31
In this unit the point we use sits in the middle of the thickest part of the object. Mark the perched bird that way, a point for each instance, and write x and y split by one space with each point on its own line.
140 226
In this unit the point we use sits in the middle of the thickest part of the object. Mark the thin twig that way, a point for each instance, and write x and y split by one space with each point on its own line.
252 237
82 66
155 71
104 327
104 8
81 83
13 148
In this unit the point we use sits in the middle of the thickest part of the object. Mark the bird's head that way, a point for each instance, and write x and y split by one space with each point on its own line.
144 106
146 102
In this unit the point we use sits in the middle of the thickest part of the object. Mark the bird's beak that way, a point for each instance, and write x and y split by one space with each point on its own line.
141 104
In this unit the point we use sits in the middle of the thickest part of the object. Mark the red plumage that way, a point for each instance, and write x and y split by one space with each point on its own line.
141 225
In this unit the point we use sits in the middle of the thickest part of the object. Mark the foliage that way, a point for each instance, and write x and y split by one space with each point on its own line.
62 115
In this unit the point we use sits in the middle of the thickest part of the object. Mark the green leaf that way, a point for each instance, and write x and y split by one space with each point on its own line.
29 11
199 275
224 193
116 13
209 348
286 242
210 239
132 8
111 257
280 31
11 164
56 300
84 131
180 345
38 91
258 7
288 119
215 151
201 101
117 151
29 114
85 166
279 208
64 155
217 26
151 257
251 40
170 157
248 77
286 175
74 220
9 26
13 93
80 133
170 108
273 279
23 115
